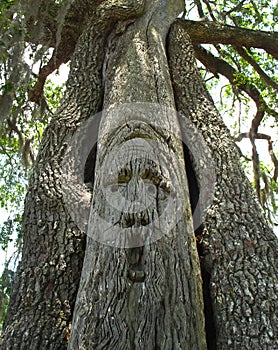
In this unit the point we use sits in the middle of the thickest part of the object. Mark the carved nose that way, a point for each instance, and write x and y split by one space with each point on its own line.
135 190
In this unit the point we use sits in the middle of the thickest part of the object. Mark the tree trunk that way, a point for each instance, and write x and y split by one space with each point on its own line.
47 279
141 282
239 248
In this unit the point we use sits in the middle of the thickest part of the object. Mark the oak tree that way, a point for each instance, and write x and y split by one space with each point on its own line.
140 227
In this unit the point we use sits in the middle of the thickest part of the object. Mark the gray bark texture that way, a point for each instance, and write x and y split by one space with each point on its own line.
146 297
47 279
240 250
140 285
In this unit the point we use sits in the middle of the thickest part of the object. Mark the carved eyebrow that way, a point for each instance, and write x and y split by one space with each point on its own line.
124 175
148 169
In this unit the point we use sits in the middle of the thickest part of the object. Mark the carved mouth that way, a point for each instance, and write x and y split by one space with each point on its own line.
125 229
133 213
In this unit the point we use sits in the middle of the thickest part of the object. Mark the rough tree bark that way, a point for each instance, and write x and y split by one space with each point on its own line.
148 297
47 280
239 248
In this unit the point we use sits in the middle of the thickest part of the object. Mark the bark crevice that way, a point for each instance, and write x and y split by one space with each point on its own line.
194 192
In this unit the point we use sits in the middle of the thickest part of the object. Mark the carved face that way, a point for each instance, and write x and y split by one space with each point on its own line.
135 181
140 182
136 196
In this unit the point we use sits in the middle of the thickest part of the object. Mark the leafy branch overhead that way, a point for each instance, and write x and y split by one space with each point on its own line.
236 40
201 32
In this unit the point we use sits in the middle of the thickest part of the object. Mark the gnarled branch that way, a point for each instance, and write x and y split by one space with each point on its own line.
208 32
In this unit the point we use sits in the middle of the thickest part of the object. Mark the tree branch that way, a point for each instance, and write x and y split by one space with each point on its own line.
256 165
233 9
200 32
25 148
59 56
64 36
260 136
209 9
248 58
208 32
43 27
218 66
200 8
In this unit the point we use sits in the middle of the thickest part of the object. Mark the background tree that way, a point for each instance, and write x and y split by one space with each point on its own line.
236 242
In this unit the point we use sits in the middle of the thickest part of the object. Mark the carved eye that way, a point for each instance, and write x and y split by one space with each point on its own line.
151 173
162 195
164 190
